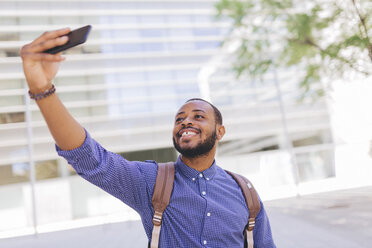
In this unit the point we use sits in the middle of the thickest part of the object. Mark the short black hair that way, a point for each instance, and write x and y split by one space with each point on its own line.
217 113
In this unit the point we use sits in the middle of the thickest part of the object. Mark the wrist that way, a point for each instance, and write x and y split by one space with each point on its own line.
38 95
40 88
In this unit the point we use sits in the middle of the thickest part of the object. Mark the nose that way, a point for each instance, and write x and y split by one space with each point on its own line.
186 122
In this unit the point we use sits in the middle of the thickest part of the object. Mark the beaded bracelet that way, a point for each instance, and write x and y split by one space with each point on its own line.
39 96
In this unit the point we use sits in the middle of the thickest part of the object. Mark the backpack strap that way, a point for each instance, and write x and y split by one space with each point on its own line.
161 197
253 204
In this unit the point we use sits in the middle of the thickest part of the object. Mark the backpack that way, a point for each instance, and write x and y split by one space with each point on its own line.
163 190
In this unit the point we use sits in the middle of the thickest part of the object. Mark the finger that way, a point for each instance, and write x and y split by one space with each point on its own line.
51 35
44 57
45 45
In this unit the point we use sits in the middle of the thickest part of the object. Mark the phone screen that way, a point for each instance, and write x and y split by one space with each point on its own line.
75 37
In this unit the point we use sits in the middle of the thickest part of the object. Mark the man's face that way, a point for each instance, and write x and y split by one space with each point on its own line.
194 132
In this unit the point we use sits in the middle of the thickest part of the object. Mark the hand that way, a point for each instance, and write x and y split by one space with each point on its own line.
40 68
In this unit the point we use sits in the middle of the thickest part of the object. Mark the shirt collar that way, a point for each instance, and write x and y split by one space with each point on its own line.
192 173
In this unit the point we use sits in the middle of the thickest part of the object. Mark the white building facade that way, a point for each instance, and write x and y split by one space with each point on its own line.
142 61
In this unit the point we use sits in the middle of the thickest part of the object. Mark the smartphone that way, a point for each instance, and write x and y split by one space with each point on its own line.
75 37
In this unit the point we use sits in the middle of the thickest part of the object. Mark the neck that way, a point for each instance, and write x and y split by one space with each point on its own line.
200 163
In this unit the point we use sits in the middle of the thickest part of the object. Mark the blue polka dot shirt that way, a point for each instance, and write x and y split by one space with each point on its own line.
207 209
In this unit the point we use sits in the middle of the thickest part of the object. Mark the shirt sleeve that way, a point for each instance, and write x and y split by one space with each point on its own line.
262 231
130 181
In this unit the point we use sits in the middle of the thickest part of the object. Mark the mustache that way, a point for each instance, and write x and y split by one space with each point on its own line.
179 132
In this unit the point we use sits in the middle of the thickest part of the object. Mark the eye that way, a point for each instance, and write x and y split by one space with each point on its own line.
179 119
199 116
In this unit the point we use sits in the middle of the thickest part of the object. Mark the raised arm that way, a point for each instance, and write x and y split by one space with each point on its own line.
40 69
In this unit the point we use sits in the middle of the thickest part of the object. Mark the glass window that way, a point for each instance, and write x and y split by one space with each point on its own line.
182 32
11 84
163 105
96 110
128 78
89 20
74 96
32 20
96 79
179 18
162 90
14 173
159 75
207 44
124 33
70 80
37 116
88 200
63 20
13 136
133 93
94 5
202 18
315 165
153 32
153 47
188 89
151 19
136 107
14 199
32 5
46 169
26 37
106 48
186 74
206 31
12 117
123 19
181 46
4 20
9 36
114 109
11 100
90 49
53 197
61 5
127 48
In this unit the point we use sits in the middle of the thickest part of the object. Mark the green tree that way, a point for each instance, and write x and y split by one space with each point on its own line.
326 38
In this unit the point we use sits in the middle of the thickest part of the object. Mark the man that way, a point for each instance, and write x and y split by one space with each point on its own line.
207 208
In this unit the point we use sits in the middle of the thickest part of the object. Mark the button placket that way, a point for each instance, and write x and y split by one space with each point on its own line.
204 193
202 185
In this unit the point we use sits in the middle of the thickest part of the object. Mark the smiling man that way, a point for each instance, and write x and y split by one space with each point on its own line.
198 127
207 207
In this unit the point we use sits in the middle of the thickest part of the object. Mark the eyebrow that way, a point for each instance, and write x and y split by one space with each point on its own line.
194 110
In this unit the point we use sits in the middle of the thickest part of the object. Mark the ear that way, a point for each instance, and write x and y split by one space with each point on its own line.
220 129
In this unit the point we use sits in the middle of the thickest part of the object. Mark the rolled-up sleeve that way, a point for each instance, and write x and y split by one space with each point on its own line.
130 181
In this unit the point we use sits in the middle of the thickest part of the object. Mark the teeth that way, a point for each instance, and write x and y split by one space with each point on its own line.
187 133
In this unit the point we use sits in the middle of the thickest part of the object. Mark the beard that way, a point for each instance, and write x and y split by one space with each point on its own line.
202 148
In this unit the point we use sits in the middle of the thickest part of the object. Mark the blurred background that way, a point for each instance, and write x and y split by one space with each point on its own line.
292 80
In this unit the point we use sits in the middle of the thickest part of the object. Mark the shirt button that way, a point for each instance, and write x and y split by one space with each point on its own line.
203 193
205 242
208 214
193 178
200 175
207 178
